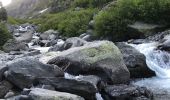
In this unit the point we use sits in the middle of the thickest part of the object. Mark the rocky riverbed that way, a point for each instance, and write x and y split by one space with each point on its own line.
47 66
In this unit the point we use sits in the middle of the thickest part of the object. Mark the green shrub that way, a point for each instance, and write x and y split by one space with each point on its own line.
69 23
4 34
12 20
90 3
3 14
113 21
76 22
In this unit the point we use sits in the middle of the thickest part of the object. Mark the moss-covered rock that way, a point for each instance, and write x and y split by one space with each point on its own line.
101 58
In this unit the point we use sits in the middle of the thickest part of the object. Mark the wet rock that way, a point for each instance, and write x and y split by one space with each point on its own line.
73 42
95 80
20 97
1 52
13 45
91 79
135 61
159 36
17 34
5 86
25 37
127 92
9 94
138 41
165 46
81 88
58 46
45 43
24 71
101 58
50 34
88 38
146 29
43 94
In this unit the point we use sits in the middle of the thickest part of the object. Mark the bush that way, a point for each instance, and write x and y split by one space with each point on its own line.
90 3
69 23
4 34
3 14
12 20
113 22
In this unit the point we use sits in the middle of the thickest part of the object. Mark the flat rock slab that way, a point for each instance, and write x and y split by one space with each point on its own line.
81 88
43 94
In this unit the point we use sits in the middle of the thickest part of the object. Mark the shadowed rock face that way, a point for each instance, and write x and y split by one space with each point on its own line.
135 61
101 58
127 92
81 88
24 71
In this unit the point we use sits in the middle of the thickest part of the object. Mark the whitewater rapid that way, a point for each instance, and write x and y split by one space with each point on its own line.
159 62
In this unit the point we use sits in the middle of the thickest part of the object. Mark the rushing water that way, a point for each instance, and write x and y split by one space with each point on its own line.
158 61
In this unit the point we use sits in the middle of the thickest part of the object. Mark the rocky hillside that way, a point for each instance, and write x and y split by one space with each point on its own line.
27 8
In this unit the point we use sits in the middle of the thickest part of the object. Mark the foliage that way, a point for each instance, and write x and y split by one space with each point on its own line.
4 34
113 22
3 14
69 23
12 20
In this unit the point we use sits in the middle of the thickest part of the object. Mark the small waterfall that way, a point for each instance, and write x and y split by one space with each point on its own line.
157 60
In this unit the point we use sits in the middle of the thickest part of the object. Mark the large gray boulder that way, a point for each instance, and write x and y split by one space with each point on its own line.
43 94
22 72
13 45
135 61
101 58
81 88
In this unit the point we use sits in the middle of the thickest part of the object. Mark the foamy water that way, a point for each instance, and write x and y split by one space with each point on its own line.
158 61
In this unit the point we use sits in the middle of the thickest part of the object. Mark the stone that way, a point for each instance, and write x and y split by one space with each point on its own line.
13 45
126 92
146 29
48 35
5 86
22 72
81 88
25 37
135 61
43 94
100 58
73 42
